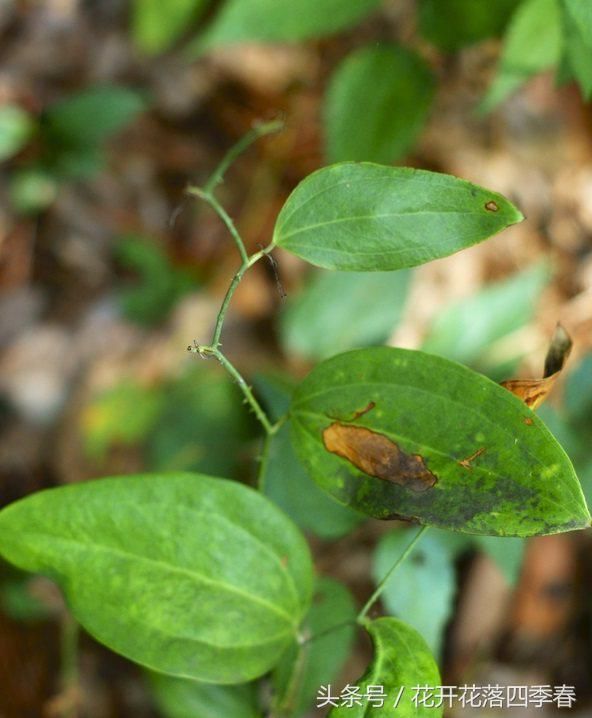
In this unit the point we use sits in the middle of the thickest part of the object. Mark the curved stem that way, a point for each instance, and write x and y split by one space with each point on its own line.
381 586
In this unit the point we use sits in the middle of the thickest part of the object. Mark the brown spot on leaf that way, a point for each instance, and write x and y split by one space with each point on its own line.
376 455
356 414
491 206
466 463
533 392
528 421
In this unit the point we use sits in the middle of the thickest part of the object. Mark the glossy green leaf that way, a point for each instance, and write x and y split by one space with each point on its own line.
422 589
376 104
532 44
577 18
401 662
188 575
184 698
465 330
156 25
91 116
455 450
280 21
367 217
452 24
337 311
283 479
16 127
318 661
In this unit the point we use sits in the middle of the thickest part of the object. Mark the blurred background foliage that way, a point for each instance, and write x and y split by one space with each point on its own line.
108 110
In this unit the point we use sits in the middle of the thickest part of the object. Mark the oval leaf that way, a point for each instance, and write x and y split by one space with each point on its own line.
185 574
367 217
377 103
401 662
402 434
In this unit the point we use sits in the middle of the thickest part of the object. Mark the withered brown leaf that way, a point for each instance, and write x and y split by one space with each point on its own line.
376 455
533 392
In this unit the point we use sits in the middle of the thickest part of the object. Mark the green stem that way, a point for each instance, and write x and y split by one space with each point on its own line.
260 130
381 586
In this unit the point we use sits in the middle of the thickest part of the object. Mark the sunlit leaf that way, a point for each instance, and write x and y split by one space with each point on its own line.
368 217
185 574
395 433
156 25
16 127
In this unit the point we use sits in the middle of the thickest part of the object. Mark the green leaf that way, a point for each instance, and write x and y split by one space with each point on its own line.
377 104
185 574
93 115
16 127
156 25
465 330
283 479
367 217
452 24
318 661
401 662
453 449
160 284
422 589
203 425
121 415
277 21
337 311
532 44
577 18
183 698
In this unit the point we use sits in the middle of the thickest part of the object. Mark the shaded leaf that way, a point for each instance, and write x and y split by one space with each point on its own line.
465 330
16 128
188 575
337 311
283 479
318 661
498 470
280 21
156 25
577 18
160 284
93 115
367 217
377 104
402 660
421 591
532 44
452 24
184 698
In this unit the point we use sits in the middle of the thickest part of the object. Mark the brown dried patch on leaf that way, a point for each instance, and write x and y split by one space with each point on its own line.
357 414
466 463
376 455
491 206
533 392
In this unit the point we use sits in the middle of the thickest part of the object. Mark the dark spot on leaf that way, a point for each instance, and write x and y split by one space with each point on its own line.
356 414
418 558
491 206
376 455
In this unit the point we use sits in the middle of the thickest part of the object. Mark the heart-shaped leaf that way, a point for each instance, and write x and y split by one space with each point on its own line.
185 574
368 217
402 661
402 434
